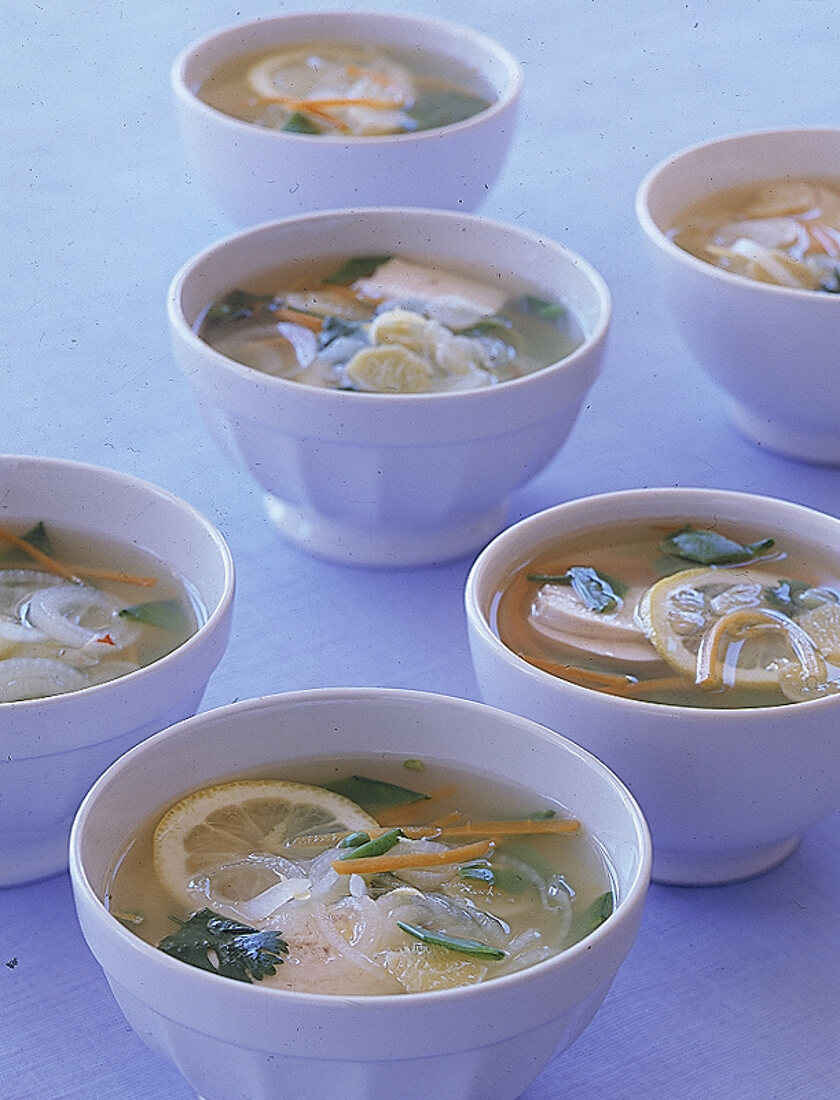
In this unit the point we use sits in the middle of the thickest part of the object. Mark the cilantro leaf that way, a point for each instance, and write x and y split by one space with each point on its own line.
212 942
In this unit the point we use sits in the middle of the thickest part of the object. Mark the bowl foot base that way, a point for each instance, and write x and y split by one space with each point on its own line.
392 548
820 448
686 869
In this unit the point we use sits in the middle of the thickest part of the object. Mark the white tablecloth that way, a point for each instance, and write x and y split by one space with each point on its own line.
730 992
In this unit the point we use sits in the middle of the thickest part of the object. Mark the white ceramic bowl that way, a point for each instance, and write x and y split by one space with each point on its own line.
256 174
727 793
51 750
232 1039
389 479
771 349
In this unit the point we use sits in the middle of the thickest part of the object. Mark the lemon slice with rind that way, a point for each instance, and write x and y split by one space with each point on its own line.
220 824
679 611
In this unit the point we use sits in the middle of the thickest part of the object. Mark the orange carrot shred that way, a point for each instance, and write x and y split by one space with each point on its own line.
394 860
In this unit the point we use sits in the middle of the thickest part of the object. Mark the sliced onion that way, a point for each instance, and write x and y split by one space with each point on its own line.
13 630
37 677
77 615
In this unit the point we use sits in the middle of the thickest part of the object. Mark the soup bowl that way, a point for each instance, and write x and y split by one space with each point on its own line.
256 174
231 1039
52 749
728 793
771 349
389 479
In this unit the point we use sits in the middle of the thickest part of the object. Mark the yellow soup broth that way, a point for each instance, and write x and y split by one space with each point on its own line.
503 877
344 89
619 609
388 324
78 610
785 232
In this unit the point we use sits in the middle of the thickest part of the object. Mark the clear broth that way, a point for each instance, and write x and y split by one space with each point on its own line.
572 862
631 554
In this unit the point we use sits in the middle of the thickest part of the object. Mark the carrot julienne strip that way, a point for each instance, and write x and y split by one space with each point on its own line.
48 563
74 574
298 317
394 861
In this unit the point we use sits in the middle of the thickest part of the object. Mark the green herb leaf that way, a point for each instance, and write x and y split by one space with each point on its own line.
299 123
238 305
453 943
333 327
445 106
710 547
376 847
358 268
226 947
37 536
167 614
374 794
594 589
794 596
597 912
539 307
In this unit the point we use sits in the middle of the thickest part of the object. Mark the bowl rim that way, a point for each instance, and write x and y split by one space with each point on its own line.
626 903
660 238
327 395
502 103
487 559
215 616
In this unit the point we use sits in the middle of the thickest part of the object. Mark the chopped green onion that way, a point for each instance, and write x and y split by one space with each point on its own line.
475 948
376 847
354 840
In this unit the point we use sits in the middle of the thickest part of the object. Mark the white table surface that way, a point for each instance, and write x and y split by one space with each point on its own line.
730 993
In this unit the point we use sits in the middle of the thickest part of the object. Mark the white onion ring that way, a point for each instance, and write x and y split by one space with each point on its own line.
61 610
36 677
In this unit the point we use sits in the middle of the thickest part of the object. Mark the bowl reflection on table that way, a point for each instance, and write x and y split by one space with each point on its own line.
390 479
772 349
727 793
52 749
232 1039
256 174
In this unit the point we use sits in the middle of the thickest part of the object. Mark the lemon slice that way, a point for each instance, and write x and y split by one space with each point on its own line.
420 968
223 823
389 368
822 624
678 612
